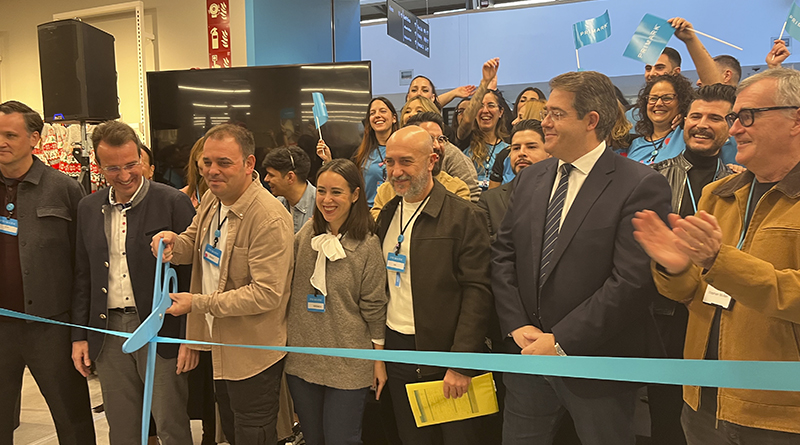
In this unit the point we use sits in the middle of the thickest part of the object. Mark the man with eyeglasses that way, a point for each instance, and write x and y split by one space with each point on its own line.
735 265
705 132
567 276
113 290
287 175
431 122
37 245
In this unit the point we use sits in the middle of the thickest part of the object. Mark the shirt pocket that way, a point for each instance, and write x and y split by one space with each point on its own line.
53 225
238 267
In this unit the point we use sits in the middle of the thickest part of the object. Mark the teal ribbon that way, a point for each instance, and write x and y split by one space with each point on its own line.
756 375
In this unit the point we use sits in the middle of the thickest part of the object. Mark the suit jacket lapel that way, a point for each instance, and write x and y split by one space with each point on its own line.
591 190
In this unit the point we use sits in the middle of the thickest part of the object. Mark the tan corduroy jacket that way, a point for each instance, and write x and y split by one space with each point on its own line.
249 307
764 280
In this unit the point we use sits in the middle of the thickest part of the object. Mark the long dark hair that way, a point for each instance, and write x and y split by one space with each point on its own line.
684 95
477 138
359 222
370 141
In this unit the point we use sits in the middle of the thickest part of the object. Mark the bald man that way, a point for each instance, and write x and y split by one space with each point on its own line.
436 248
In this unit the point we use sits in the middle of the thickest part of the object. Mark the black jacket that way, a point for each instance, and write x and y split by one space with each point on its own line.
157 207
450 273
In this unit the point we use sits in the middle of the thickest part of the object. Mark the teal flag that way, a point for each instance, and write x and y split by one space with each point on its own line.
793 22
649 40
591 31
319 109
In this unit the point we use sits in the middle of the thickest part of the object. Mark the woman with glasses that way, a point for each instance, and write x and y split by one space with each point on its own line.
484 124
666 99
379 124
338 300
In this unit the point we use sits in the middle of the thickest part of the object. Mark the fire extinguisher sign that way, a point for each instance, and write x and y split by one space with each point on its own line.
218 16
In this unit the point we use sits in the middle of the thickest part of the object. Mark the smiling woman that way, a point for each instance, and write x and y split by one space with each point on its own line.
666 99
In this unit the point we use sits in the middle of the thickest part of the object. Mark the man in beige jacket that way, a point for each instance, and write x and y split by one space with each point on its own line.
240 248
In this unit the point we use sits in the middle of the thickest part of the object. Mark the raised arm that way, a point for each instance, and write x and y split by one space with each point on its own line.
471 112
462 92
706 67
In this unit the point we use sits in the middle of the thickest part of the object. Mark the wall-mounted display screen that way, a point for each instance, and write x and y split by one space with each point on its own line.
274 102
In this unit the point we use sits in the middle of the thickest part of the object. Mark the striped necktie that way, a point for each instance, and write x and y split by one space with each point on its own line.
552 225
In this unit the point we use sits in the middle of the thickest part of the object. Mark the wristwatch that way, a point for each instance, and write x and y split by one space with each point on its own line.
560 351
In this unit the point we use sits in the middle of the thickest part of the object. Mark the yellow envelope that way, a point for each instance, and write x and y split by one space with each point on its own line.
430 407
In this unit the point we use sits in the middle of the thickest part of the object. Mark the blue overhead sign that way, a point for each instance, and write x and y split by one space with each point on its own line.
407 28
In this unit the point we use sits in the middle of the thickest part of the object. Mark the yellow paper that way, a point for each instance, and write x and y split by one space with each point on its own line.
430 407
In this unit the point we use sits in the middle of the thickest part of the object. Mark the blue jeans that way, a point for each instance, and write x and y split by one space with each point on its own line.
535 405
328 416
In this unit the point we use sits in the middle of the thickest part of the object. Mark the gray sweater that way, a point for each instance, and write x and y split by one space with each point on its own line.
355 311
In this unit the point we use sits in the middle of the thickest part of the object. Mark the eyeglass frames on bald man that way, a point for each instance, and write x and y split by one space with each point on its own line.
747 116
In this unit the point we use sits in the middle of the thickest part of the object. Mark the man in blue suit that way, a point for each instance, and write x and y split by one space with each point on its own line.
567 275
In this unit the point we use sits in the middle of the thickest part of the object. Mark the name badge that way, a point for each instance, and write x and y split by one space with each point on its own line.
716 297
212 255
9 226
315 303
396 263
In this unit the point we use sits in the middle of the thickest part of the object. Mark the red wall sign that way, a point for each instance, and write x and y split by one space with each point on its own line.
218 16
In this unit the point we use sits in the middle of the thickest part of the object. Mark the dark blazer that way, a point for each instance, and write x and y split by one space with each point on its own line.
47 205
157 207
494 203
596 298
450 273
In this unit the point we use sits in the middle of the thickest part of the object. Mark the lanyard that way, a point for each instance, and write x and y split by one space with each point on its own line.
219 226
746 213
656 149
197 195
11 194
402 237
381 164
689 184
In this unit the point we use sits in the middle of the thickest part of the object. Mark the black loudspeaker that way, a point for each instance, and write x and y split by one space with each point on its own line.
79 75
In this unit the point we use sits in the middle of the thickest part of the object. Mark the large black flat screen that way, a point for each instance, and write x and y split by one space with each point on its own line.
273 102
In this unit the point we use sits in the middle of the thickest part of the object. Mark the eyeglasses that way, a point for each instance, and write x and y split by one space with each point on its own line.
291 158
115 169
556 115
490 106
665 98
747 116
442 139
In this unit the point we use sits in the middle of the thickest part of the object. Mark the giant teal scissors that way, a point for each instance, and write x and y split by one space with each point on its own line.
147 332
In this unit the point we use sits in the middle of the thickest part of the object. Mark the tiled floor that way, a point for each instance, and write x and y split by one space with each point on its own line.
36 425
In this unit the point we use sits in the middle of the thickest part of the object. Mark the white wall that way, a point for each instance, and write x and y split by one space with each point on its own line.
180 43
535 43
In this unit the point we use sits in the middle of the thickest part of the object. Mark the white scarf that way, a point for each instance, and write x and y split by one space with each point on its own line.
328 246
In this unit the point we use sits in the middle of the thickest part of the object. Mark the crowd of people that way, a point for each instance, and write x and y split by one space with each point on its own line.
568 225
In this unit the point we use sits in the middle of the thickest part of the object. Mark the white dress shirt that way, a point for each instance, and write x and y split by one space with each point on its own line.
583 166
120 289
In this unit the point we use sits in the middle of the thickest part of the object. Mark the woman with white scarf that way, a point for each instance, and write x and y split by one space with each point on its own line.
338 301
